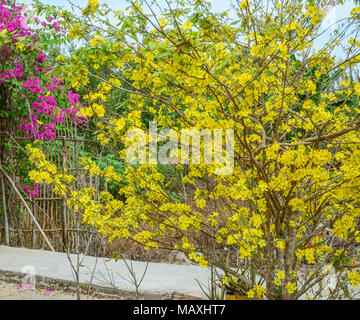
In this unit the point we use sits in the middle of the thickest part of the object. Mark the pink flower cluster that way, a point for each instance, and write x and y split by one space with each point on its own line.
32 191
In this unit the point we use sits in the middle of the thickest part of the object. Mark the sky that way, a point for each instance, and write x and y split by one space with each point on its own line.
341 10
115 4
338 13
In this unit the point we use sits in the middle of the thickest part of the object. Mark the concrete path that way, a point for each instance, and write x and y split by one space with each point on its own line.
160 281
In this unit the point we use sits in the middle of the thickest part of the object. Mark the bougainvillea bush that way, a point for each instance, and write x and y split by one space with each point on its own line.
33 100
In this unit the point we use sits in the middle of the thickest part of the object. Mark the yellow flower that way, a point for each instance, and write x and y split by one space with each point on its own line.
95 41
244 4
201 203
98 110
354 278
280 277
163 23
291 287
280 244
187 25
257 292
281 274
21 46
355 11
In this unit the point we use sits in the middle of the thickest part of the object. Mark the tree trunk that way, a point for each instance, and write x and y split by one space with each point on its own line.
289 261
6 221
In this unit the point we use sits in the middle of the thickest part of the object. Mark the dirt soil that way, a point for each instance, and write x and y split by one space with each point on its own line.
11 291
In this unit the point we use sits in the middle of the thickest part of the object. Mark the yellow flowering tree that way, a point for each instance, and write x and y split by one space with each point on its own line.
287 214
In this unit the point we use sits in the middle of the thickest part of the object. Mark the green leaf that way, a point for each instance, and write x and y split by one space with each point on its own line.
163 54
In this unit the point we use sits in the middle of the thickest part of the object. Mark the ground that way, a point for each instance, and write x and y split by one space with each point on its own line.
11 291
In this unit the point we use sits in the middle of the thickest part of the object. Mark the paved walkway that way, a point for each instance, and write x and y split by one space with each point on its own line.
161 280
